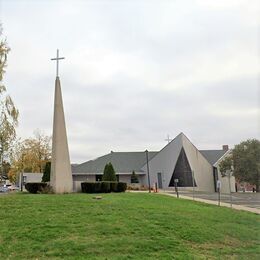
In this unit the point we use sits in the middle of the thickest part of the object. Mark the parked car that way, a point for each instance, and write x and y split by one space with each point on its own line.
12 188
8 187
3 189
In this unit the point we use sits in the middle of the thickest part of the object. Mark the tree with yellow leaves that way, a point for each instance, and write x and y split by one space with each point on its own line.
32 154
8 112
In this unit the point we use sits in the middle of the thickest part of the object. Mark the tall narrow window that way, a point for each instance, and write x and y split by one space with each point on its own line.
182 172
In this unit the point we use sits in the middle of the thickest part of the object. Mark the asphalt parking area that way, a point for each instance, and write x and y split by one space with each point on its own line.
248 199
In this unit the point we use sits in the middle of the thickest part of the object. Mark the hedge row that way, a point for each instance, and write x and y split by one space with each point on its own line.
35 187
87 187
103 187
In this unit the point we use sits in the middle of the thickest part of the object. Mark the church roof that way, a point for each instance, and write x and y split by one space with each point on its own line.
123 162
212 155
126 162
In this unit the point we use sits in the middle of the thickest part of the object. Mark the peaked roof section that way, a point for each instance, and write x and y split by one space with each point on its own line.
123 162
173 147
212 155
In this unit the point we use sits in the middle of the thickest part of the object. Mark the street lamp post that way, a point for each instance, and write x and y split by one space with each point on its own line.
22 182
148 173
230 194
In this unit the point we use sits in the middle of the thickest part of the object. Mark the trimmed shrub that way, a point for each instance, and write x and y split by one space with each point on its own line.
34 187
91 187
113 186
97 187
84 186
46 190
121 187
103 187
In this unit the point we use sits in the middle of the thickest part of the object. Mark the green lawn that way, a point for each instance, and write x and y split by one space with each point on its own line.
123 226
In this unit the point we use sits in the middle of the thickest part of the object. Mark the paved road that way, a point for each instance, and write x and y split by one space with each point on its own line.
247 199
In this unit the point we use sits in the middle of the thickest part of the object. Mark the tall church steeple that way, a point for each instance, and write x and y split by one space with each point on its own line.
61 176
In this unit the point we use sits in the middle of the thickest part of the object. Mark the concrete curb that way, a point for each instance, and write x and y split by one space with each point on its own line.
212 202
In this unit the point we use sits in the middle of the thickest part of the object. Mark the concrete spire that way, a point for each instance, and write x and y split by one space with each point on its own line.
61 176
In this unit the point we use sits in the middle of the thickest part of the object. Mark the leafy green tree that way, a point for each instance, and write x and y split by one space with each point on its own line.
8 112
46 172
226 165
109 173
244 162
134 178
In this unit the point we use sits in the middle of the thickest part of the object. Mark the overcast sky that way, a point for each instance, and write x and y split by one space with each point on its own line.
136 71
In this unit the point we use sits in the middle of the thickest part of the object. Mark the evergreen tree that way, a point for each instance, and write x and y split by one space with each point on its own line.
109 173
46 172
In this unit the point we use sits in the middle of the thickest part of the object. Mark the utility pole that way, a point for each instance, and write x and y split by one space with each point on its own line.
21 175
148 173
193 183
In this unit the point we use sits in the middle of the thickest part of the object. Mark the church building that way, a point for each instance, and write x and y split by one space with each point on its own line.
178 161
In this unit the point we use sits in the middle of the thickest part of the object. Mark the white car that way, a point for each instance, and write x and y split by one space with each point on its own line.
12 187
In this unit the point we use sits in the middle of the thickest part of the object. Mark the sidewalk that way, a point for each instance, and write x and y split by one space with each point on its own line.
223 204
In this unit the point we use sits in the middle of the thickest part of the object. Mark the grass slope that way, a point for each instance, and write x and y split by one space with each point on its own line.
123 226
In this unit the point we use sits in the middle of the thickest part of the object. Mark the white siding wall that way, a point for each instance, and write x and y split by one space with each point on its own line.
32 177
125 178
77 179
225 183
142 179
225 180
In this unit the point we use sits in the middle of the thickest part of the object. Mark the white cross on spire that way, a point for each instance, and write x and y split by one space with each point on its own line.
57 65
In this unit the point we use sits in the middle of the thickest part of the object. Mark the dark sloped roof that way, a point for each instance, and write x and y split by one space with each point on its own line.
213 155
123 162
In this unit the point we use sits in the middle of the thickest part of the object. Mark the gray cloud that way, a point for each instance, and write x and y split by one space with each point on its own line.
136 71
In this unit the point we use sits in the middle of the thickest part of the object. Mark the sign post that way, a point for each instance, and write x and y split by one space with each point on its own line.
218 187
176 186
230 194
192 184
